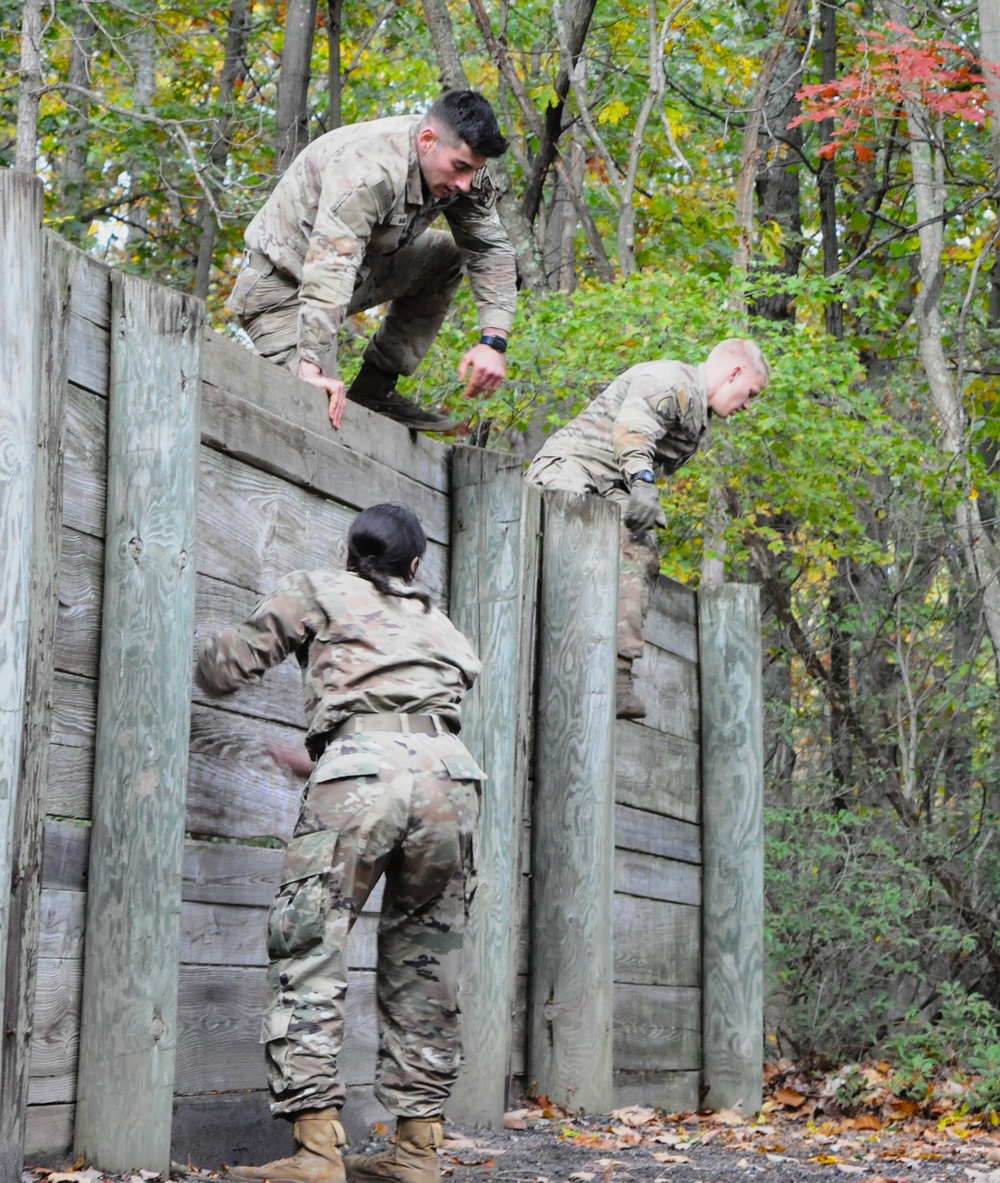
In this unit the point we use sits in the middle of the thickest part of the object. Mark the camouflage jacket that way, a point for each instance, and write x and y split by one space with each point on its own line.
359 190
360 651
654 416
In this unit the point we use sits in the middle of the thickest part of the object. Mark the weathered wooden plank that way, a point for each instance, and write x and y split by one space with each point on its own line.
236 789
672 1092
89 355
65 855
672 621
315 460
657 943
487 571
733 844
48 1134
657 1028
29 821
219 1020
91 297
228 1128
86 462
573 826
253 528
128 1020
241 372
81 590
657 878
635 829
228 873
668 685
657 772
55 1037
61 923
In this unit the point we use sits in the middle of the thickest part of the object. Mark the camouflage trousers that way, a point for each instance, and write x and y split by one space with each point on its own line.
638 555
418 281
406 806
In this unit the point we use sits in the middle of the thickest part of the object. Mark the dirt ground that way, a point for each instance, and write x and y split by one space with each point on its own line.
637 1145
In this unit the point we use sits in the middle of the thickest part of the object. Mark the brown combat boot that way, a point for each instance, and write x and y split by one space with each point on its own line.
413 1159
375 389
628 705
317 1160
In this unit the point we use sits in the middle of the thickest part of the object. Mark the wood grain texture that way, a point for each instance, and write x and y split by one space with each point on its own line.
487 574
672 1092
48 1134
659 943
668 686
86 462
657 1027
733 844
254 527
129 1001
573 822
657 878
672 621
314 460
657 772
239 371
637 829
29 818
89 355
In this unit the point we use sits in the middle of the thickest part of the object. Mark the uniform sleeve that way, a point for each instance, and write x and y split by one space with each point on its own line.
348 210
646 412
282 622
487 253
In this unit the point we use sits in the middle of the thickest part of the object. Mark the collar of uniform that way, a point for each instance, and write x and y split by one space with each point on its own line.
703 390
414 178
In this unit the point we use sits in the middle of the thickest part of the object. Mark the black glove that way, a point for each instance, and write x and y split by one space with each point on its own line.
643 507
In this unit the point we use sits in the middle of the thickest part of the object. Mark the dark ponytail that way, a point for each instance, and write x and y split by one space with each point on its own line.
382 542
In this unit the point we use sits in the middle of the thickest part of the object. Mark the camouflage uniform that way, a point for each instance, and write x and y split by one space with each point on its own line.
652 417
398 803
347 228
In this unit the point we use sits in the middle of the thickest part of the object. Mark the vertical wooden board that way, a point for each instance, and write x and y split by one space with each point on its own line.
573 826
81 590
129 1006
21 383
486 595
733 844
85 478
29 817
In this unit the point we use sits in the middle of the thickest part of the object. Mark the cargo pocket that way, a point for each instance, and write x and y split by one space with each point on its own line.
298 915
275 1024
334 765
461 766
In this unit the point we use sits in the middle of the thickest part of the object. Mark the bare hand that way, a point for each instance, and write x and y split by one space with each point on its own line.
294 759
311 373
488 369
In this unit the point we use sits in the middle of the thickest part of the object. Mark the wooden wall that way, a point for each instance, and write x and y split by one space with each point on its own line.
277 490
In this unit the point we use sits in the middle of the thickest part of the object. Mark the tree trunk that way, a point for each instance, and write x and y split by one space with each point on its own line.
234 70
78 131
335 16
528 256
827 177
574 17
778 187
292 118
29 91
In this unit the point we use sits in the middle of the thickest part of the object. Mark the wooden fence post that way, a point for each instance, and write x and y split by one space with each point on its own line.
29 825
572 860
732 770
494 521
20 383
128 1030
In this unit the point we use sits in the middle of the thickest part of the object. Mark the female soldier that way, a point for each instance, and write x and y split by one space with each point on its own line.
394 791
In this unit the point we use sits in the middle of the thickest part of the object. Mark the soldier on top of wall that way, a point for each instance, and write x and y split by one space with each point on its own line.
647 423
347 228
394 791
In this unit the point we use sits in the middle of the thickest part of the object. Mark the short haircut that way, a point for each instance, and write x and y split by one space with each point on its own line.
469 117
747 351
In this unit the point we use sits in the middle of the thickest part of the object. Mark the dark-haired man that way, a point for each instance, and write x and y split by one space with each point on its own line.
347 227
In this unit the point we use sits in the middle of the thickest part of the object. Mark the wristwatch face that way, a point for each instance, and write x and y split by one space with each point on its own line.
646 476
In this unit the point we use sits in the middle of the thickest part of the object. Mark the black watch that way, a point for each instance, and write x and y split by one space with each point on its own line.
494 341
646 475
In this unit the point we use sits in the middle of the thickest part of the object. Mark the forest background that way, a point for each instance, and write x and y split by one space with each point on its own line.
822 174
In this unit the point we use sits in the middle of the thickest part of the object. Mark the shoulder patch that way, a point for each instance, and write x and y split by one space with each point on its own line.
383 197
482 186
673 404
